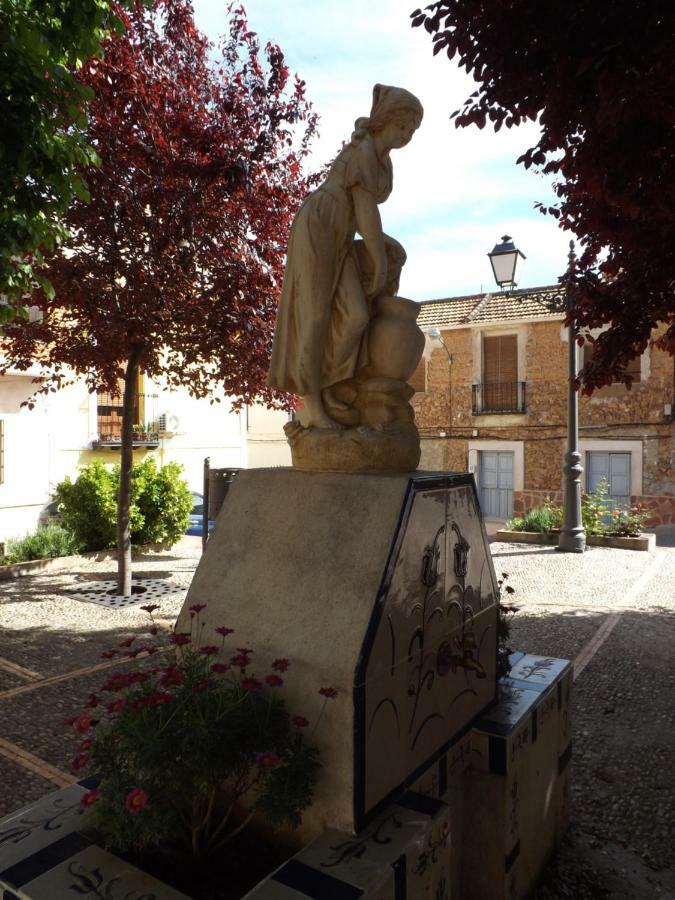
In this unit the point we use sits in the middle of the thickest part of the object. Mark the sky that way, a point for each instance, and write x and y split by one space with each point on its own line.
456 191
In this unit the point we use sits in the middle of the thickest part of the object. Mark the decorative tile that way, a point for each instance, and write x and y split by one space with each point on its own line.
431 665
403 855
537 672
34 827
515 800
94 872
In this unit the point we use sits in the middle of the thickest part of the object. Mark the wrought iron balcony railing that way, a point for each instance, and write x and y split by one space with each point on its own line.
110 419
495 397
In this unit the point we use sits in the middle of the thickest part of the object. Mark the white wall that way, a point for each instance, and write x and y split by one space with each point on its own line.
267 444
40 447
54 439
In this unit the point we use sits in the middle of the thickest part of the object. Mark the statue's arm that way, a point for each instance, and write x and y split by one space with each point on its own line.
369 226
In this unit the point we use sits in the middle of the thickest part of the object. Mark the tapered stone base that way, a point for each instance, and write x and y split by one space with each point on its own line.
380 586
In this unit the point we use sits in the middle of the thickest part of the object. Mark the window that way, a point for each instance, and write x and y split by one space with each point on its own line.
634 368
109 414
614 468
500 390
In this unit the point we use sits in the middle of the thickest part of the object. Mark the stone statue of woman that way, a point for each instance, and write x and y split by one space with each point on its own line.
331 279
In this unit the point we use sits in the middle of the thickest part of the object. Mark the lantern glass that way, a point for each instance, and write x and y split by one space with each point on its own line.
505 259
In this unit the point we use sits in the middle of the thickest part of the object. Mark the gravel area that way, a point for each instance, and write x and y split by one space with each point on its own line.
560 633
28 786
623 780
600 577
43 628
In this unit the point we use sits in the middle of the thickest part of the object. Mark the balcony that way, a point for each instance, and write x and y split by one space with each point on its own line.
497 398
109 415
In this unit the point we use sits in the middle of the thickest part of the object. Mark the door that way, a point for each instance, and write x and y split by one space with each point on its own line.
495 478
615 469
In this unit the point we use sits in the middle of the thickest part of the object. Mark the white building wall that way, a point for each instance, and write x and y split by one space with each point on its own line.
267 444
44 445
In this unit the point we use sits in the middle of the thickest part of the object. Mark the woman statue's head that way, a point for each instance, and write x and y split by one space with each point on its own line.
394 111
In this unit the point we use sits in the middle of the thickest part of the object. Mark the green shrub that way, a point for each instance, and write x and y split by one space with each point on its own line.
541 518
595 509
47 542
189 752
159 512
88 506
162 500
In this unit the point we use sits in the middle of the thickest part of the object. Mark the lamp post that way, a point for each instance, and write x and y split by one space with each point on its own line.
572 538
505 258
436 335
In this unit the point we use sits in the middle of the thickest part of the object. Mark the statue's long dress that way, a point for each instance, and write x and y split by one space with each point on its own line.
323 311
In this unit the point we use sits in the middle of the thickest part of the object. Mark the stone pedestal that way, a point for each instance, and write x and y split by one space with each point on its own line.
380 586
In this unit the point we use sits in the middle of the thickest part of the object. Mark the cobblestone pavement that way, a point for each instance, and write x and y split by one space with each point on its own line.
623 785
620 840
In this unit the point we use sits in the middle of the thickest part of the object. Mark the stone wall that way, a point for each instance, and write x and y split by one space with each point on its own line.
446 422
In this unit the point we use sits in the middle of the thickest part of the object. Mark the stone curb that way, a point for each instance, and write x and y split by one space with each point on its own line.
645 541
60 563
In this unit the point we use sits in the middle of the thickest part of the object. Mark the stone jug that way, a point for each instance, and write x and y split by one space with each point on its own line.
395 341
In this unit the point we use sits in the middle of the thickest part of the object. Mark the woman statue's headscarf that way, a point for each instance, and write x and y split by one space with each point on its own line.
387 101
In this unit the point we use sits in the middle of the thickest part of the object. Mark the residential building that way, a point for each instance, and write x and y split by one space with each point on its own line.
491 397
71 428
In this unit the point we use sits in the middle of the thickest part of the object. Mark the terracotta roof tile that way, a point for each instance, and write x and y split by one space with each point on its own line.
528 303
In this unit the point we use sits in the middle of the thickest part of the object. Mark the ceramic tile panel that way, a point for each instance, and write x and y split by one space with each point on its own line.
92 871
275 890
514 803
537 672
430 666
454 788
40 824
404 854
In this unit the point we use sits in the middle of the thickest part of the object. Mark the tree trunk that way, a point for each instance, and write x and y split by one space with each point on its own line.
126 464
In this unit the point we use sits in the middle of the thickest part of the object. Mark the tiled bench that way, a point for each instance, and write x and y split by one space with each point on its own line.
481 823
43 856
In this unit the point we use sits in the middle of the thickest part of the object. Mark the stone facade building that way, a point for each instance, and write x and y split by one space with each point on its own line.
491 397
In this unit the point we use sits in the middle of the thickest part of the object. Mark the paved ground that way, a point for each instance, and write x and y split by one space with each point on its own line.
612 611
621 838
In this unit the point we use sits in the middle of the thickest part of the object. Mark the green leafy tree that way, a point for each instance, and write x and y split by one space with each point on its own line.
43 146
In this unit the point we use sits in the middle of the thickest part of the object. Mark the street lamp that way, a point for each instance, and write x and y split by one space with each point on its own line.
572 538
505 259
436 335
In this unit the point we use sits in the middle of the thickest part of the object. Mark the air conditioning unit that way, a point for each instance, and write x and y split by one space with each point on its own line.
168 423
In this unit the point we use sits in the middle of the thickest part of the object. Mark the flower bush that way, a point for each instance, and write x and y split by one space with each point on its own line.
597 515
190 751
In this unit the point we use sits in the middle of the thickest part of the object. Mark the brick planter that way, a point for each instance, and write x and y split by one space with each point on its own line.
643 541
